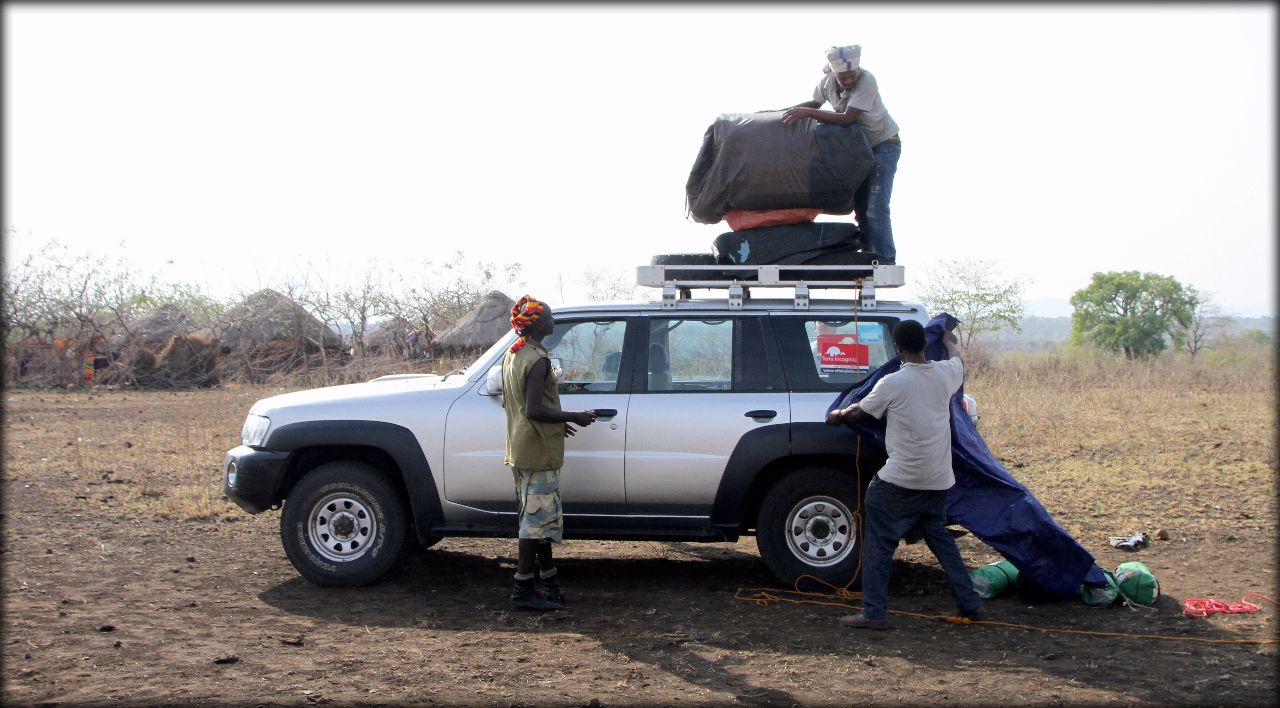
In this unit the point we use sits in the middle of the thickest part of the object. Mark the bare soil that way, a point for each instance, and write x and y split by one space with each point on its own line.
127 579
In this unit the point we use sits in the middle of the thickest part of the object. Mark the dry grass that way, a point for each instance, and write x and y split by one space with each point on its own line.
152 453
1114 446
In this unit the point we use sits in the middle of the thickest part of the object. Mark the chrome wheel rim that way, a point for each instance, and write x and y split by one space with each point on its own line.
821 531
341 527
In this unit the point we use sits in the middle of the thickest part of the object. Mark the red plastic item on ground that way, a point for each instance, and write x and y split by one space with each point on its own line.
740 219
1202 606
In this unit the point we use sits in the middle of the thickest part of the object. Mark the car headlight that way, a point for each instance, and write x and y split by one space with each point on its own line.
254 432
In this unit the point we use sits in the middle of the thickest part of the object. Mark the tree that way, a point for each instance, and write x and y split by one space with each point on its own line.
434 298
607 284
71 302
1256 337
358 304
1208 324
973 292
1131 312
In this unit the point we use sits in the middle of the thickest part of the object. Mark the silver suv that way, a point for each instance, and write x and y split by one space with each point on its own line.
710 427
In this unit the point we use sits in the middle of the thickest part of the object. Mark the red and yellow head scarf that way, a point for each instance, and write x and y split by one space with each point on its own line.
525 312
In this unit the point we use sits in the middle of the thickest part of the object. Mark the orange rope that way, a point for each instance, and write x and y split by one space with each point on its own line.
839 597
1201 607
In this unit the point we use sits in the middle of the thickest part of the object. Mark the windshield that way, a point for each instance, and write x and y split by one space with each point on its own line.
475 369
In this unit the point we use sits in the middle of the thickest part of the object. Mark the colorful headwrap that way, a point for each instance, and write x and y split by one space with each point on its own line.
525 312
844 58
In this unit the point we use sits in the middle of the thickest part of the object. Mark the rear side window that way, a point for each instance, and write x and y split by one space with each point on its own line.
830 354
587 356
687 355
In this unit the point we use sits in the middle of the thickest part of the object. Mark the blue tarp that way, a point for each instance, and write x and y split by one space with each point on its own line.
986 499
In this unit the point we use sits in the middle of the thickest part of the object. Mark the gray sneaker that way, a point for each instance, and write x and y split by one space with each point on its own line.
860 621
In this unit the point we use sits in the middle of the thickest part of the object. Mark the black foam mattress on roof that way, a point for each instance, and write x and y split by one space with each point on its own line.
755 161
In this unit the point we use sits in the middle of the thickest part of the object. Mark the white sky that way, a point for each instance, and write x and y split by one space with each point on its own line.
242 142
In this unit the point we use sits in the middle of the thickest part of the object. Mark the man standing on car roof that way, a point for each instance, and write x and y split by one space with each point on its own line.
854 97
911 489
536 429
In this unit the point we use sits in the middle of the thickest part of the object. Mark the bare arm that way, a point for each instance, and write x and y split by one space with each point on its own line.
952 344
535 409
806 104
851 412
849 117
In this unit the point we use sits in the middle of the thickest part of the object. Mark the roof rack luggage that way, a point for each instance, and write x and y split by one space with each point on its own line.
677 280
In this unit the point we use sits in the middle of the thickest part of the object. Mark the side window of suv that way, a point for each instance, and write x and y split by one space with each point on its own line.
587 355
706 355
830 354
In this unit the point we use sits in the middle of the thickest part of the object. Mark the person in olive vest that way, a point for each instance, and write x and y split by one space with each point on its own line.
536 429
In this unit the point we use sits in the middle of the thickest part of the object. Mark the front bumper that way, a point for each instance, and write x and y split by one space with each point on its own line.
251 478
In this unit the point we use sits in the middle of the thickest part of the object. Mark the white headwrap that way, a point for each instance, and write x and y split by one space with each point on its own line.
844 58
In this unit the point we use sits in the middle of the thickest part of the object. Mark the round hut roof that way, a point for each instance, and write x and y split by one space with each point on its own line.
487 322
153 330
268 316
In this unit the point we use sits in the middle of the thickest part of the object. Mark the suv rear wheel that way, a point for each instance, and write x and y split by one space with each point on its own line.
806 526
343 525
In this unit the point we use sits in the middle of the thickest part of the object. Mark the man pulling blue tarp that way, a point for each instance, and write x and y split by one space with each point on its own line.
986 499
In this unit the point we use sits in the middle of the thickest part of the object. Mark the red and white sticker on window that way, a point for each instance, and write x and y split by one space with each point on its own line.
841 353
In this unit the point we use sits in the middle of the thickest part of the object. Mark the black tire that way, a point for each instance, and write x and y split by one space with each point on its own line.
806 526
343 525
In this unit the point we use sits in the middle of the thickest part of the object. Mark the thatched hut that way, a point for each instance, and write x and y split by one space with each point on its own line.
397 338
268 316
479 328
153 330
268 334
183 361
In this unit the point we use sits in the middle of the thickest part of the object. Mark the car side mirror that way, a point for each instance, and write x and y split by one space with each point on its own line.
493 381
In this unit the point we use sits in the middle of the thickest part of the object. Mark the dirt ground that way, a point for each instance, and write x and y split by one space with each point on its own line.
128 580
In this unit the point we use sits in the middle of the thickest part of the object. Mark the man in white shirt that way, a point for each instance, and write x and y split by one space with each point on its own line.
911 489
854 97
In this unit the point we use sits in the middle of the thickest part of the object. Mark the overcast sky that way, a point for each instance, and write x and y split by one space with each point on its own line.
230 144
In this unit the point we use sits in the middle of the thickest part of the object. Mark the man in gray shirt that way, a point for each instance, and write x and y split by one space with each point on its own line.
911 489
854 97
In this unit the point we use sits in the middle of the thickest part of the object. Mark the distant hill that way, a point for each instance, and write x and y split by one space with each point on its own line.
1043 333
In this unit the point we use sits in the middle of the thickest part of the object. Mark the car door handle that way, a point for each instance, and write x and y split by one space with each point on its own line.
763 413
605 412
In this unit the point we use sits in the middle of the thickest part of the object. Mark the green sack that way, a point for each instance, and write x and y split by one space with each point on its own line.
1104 596
1137 584
994 578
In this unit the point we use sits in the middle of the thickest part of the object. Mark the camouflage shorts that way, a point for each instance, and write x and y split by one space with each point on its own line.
538 499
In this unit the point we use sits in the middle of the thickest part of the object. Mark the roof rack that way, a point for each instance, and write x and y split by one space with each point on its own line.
677 280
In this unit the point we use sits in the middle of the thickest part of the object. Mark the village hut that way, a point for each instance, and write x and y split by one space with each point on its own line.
479 328
182 361
152 331
162 349
268 316
397 338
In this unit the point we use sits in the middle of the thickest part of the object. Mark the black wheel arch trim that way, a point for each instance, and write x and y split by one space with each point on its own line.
755 451
396 441
764 446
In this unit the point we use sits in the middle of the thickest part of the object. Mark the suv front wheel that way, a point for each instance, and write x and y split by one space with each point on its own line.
343 525
806 526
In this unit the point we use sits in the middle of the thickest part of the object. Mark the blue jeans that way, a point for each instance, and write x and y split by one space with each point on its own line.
891 511
871 204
